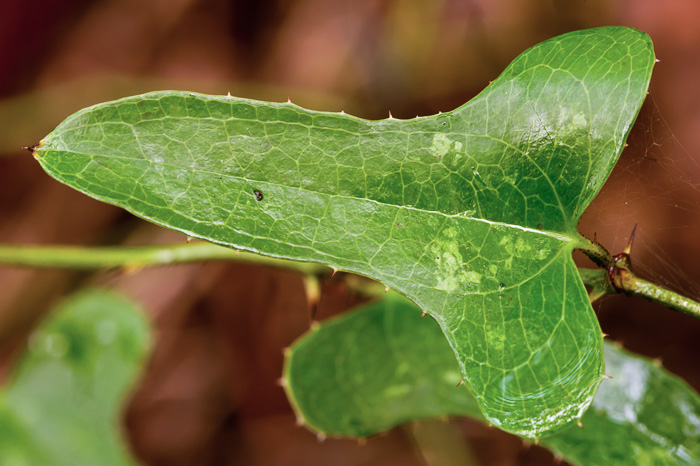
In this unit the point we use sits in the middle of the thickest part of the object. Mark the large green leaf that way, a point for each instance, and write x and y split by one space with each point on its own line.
470 213
379 367
62 403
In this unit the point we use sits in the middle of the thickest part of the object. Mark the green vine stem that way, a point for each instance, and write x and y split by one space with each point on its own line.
136 257
147 256
635 286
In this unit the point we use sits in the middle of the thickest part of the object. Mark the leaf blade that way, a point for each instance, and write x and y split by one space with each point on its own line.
452 210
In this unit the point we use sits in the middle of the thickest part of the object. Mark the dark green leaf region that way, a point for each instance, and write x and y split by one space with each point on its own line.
471 214
375 368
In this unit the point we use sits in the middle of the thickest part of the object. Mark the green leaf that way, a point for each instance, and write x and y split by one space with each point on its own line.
380 366
62 403
471 214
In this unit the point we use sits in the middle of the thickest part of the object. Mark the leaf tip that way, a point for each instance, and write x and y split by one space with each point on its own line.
321 437
282 382
461 382
33 149
422 314
386 289
362 441
580 424
314 325
299 421
657 60
606 376
286 351
391 117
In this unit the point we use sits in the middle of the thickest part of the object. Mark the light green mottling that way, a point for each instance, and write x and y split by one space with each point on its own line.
442 145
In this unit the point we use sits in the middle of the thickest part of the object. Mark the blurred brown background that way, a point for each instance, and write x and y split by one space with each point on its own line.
209 395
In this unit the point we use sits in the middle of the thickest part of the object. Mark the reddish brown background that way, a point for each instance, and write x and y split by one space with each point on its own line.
209 394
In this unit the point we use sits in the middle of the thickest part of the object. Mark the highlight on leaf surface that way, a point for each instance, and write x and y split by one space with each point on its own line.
471 213
380 366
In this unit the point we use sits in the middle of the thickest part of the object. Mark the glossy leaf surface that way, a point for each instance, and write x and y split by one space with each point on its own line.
471 213
62 404
380 366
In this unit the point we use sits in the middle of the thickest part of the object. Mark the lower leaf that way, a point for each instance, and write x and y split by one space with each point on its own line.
380 366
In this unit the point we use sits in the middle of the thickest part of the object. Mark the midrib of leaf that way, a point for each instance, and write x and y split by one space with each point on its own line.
574 238
333 185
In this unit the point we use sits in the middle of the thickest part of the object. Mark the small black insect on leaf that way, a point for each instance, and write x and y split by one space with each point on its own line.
258 195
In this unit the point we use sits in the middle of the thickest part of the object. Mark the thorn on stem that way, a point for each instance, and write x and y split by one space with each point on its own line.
628 248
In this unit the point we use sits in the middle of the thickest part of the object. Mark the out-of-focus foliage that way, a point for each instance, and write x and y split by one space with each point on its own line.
63 403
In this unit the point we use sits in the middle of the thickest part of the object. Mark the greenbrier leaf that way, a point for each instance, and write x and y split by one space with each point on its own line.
379 366
471 214
62 403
